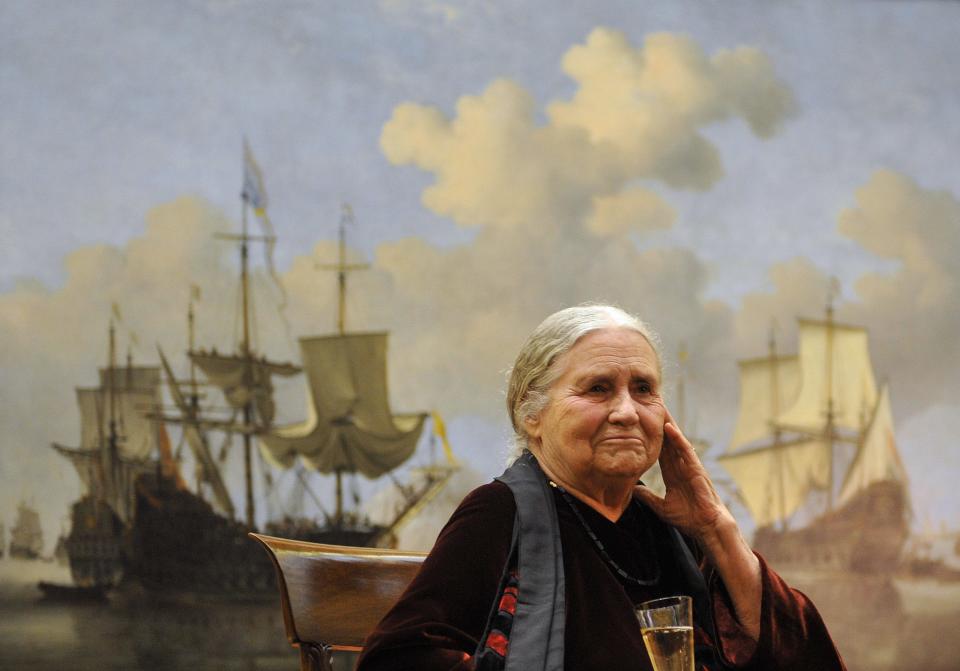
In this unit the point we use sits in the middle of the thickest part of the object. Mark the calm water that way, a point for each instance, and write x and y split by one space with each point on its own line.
39 635
881 624
878 625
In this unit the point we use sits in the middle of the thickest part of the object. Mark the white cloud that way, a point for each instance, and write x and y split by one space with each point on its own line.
914 312
636 114
634 209
557 203
911 313
651 102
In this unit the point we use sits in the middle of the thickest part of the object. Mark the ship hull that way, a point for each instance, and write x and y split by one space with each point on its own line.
72 593
865 536
181 548
95 546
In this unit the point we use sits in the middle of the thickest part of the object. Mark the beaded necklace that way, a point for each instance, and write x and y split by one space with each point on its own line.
603 551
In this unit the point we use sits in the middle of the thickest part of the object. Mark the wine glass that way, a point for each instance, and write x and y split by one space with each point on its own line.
667 628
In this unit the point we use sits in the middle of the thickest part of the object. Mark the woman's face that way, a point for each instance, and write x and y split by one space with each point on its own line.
603 423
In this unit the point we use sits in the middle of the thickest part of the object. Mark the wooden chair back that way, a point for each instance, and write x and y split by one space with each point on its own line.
332 596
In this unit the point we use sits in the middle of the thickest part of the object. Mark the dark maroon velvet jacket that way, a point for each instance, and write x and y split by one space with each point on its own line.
437 622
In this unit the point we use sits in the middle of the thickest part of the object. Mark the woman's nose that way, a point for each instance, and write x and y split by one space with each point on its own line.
623 409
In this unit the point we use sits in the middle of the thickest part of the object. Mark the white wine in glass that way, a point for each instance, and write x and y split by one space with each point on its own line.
670 648
667 628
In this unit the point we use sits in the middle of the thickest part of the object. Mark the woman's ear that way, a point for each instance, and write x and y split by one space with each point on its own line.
532 426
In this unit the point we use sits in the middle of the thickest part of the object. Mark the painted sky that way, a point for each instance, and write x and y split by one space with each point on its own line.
708 165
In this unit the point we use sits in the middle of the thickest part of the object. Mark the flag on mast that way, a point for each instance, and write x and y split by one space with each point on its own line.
253 193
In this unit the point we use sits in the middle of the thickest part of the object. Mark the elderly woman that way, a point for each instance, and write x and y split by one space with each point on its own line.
543 567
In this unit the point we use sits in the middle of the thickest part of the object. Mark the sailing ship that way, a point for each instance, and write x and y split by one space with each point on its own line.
181 543
26 536
118 442
814 456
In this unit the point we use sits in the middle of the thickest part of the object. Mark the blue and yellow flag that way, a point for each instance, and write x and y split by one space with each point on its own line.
253 194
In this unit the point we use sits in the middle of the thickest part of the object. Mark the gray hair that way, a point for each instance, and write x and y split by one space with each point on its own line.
534 370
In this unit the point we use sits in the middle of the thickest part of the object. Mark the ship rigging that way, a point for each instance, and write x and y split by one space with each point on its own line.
801 416
140 523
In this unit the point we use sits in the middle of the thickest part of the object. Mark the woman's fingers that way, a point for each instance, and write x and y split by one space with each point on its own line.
677 456
683 447
691 502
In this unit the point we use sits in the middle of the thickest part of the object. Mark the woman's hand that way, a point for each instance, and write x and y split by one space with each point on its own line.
692 505
691 502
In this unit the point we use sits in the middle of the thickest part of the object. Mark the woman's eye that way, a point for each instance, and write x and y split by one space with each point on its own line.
597 388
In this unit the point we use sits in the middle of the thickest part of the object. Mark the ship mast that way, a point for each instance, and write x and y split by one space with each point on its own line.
342 268
194 399
246 353
828 427
243 377
113 452
774 413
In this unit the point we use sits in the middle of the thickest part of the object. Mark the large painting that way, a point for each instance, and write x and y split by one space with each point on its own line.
222 220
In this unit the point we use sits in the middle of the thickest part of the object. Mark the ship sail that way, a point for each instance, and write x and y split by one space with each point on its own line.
775 481
132 403
85 462
877 458
825 393
767 386
828 388
835 371
243 380
134 392
794 413
349 427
